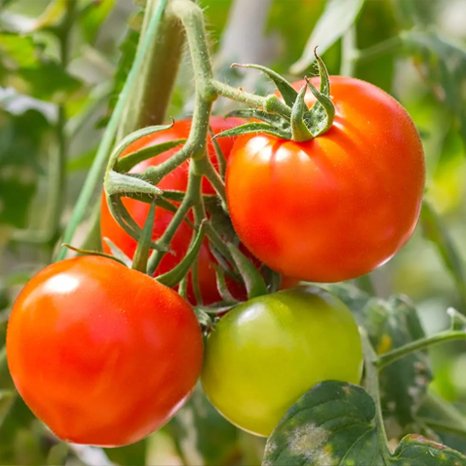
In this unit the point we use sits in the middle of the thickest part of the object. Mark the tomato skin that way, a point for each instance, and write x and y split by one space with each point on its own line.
176 180
265 353
102 354
335 207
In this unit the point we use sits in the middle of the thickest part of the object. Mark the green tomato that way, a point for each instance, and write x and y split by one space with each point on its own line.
267 352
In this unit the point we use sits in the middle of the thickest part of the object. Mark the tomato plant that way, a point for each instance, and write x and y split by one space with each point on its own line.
266 352
175 180
101 353
336 206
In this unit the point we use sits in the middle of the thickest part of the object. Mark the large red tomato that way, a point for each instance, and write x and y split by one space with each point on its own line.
176 180
337 206
101 353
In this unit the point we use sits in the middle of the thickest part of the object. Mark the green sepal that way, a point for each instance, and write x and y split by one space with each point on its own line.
253 280
124 219
124 164
299 130
91 252
119 183
221 159
174 276
320 117
249 128
284 87
143 248
222 286
116 252
130 138
122 216
148 198
271 118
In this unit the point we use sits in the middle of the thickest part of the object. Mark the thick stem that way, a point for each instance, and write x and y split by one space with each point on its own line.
151 94
96 172
398 353
192 19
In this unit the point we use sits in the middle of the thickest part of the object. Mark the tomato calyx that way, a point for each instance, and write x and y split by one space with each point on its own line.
299 122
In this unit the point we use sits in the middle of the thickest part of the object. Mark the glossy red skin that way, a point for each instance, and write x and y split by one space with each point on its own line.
335 207
176 180
101 353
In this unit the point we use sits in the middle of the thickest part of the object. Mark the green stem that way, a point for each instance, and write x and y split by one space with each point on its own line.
270 103
192 20
391 356
97 170
372 386
156 78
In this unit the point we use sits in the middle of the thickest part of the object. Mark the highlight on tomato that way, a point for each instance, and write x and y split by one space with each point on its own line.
335 206
267 352
175 180
101 353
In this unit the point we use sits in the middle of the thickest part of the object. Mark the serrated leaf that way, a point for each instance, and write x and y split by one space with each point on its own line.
334 424
336 19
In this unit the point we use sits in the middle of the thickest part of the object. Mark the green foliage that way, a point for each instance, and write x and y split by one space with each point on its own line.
334 423
63 65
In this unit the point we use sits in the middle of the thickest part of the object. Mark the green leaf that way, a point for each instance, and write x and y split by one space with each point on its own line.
434 230
92 16
334 424
444 66
391 324
21 140
336 19
202 434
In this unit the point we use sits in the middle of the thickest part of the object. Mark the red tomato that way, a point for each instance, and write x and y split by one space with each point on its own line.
337 206
101 353
176 180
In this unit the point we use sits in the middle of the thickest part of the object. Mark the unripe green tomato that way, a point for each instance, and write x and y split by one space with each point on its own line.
265 353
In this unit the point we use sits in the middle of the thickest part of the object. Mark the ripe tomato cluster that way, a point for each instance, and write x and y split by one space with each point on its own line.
104 354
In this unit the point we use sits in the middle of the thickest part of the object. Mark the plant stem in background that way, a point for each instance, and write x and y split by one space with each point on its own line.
391 356
150 97
97 170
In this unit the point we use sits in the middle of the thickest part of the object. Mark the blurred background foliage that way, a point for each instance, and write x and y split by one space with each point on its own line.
62 64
